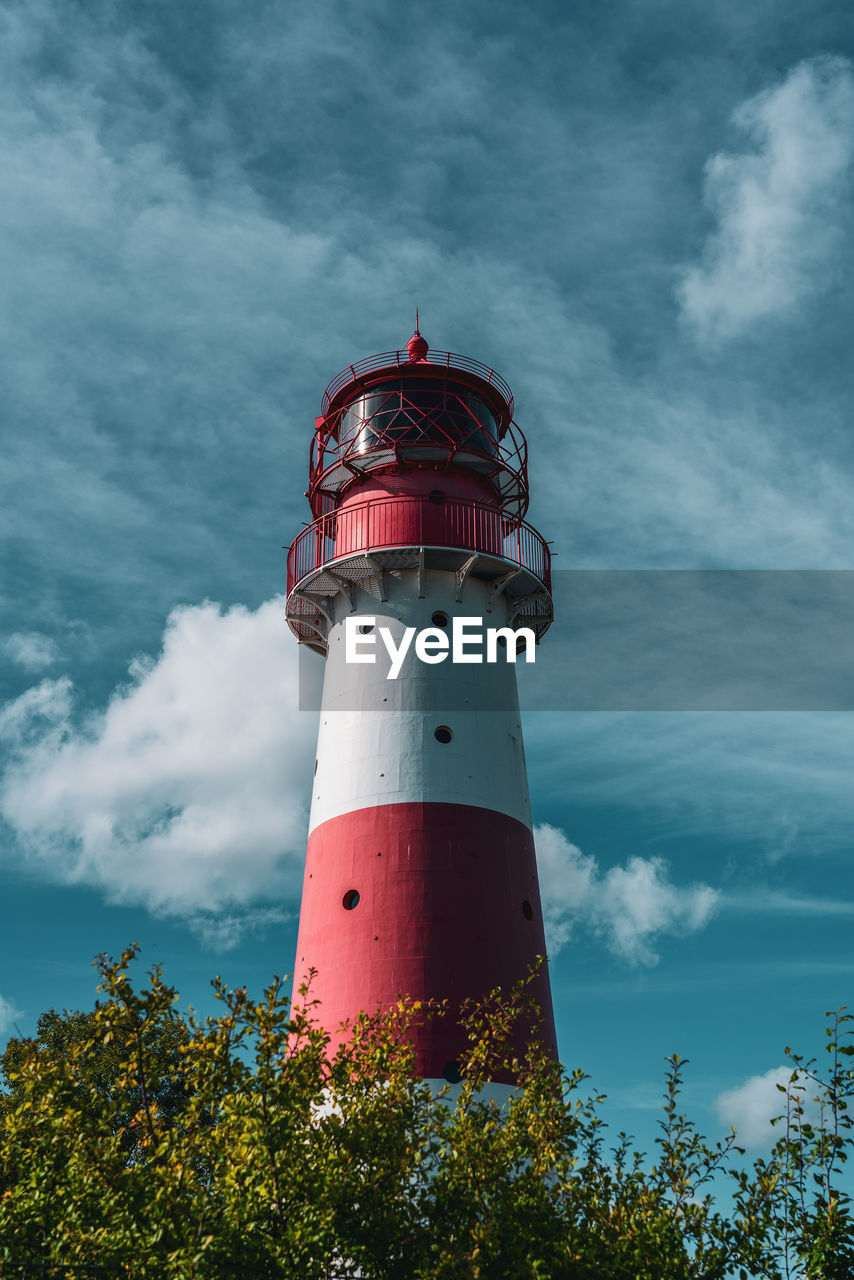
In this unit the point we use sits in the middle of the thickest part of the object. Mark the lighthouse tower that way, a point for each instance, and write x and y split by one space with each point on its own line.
420 878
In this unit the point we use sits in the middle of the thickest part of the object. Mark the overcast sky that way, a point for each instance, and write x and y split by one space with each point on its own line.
641 214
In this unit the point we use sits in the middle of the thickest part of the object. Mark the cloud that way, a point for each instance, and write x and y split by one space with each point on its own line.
778 206
37 716
750 1107
182 275
223 931
777 782
187 794
31 650
779 902
630 906
9 1013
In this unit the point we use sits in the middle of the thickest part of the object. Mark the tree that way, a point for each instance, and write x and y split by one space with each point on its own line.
240 1145
60 1035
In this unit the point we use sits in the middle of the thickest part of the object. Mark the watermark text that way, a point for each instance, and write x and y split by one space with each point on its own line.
469 642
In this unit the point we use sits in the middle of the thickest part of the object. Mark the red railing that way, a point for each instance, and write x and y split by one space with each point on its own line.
414 521
396 359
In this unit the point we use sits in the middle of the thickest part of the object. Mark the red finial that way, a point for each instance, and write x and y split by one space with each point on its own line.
416 346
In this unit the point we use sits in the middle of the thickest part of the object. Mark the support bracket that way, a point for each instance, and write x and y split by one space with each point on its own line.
381 575
496 587
318 631
463 572
318 603
345 586
517 603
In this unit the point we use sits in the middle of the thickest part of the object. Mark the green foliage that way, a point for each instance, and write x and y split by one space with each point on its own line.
794 1198
155 1146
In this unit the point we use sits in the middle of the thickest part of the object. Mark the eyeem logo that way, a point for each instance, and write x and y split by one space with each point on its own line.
432 644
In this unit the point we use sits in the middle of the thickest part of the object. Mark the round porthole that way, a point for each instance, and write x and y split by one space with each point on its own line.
365 628
452 1072
442 734
439 619
350 899
527 910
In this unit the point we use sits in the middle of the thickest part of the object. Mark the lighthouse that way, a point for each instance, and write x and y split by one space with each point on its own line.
420 877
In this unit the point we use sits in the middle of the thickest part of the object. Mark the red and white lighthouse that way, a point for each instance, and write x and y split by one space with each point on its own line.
421 878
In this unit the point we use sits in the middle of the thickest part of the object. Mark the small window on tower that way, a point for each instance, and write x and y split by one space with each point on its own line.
365 628
350 899
527 910
439 619
452 1072
442 734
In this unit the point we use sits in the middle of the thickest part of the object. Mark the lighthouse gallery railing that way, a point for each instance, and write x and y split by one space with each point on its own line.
402 359
408 520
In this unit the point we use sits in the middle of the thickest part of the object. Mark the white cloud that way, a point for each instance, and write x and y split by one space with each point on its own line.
38 715
630 906
778 205
222 931
31 650
9 1012
188 793
750 1107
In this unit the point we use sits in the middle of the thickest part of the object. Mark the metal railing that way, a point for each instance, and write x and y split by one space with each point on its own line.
416 521
399 359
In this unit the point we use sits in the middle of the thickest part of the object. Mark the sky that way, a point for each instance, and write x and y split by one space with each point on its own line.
640 213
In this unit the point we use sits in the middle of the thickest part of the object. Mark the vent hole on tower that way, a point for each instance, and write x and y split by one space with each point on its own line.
315 768
365 628
350 899
439 619
437 496
452 1072
442 734
527 910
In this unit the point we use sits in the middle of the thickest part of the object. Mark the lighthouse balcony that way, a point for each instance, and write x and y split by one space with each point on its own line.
357 546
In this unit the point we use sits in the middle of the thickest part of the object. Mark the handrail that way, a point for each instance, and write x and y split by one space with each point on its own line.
415 520
402 359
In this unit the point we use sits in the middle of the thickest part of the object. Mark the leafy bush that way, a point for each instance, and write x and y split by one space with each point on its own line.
157 1147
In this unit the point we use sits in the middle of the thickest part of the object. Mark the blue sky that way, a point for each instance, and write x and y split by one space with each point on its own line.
639 213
